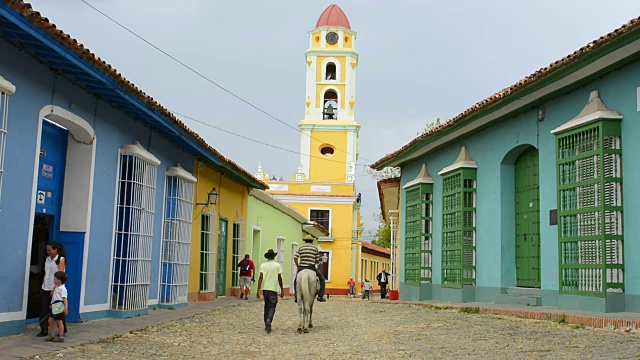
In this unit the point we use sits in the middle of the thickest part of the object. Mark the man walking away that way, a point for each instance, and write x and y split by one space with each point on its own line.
383 280
247 273
269 282
307 257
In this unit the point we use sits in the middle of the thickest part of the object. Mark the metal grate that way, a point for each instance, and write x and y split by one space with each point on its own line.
4 118
176 240
133 240
589 161
458 228
207 252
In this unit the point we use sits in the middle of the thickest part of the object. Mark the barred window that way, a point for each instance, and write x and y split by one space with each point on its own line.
207 252
418 234
176 236
6 89
238 238
133 239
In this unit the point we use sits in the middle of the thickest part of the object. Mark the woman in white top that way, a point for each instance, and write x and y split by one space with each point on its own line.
56 261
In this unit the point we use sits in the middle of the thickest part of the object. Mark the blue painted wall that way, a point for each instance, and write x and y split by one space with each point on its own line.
34 89
496 148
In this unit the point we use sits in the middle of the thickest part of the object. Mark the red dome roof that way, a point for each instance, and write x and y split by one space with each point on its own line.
333 16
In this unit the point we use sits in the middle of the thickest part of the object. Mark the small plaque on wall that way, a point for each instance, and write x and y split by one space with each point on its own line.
553 217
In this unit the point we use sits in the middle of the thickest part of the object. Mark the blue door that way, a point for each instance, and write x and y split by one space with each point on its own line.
53 156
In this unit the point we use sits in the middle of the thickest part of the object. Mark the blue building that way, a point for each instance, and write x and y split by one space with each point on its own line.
89 160
520 199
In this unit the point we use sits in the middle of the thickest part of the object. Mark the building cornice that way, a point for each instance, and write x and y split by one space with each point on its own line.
312 199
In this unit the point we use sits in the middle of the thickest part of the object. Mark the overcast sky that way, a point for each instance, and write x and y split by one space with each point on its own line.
419 60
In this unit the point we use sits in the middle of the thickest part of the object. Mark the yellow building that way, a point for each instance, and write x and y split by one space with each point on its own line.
323 188
218 228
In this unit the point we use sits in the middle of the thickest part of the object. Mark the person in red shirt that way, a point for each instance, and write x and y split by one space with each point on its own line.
352 287
247 271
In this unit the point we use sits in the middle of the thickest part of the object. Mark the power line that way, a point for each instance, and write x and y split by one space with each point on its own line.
205 77
257 141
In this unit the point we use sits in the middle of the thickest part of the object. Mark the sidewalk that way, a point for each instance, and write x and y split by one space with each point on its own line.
626 321
27 344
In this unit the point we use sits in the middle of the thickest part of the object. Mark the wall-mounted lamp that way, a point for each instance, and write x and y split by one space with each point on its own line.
540 114
212 197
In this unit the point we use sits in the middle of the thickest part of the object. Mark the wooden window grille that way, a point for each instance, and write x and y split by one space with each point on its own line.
418 234
590 209
459 228
238 238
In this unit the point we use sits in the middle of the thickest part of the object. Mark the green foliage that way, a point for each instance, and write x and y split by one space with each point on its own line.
561 319
430 126
469 310
382 237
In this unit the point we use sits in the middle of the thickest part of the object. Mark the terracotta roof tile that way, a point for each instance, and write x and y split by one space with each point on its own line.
381 249
509 91
43 23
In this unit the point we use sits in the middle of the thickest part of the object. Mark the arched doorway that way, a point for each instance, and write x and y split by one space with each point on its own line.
527 219
63 193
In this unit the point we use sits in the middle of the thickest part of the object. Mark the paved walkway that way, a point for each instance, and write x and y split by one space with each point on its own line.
28 345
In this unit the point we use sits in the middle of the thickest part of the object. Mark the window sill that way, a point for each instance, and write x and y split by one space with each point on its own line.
326 238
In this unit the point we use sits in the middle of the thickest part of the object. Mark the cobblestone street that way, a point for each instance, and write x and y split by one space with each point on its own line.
357 329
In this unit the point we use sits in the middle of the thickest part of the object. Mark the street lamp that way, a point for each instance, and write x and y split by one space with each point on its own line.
212 197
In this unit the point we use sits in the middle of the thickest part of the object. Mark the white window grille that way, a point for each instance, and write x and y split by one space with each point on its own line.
238 238
280 249
176 236
207 252
6 89
133 240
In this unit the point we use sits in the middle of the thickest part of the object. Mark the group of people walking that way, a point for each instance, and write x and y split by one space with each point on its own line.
365 286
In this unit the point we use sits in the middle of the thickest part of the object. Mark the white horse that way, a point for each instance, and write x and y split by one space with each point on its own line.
306 291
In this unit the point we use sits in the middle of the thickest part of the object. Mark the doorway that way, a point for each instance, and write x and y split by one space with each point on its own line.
46 225
221 273
527 214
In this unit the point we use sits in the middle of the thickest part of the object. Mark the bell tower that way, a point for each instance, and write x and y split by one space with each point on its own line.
329 139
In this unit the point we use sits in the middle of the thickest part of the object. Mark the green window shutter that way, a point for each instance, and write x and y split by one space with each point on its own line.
418 234
459 228
590 234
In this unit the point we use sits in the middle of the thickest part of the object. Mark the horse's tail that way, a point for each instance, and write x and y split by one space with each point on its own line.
305 287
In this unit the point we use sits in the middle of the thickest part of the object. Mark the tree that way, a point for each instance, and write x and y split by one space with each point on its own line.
382 237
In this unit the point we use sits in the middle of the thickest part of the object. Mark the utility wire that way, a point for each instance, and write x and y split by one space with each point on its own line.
257 141
205 77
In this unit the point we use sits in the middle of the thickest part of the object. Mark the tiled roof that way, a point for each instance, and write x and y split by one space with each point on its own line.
43 23
377 248
333 16
518 86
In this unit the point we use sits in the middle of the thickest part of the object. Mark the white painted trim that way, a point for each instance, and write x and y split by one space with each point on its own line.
332 52
6 86
12 316
525 101
32 211
152 302
329 125
638 97
328 279
321 208
338 65
137 150
459 165
92 308
333 28
178 171
113 229
346 200
587 119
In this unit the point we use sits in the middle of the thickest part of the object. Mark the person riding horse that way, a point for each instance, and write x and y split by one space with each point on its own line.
307 257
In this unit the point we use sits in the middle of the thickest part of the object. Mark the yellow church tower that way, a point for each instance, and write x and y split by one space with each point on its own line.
323 188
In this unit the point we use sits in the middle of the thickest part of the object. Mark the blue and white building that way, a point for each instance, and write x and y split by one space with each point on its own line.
90 161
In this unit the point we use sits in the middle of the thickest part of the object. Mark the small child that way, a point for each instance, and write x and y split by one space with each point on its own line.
367 290
59 307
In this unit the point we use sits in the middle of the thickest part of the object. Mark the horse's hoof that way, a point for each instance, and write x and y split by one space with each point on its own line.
310 326
299 331
306 331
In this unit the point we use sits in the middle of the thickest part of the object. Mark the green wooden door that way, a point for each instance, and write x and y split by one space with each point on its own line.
221 271
527 220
